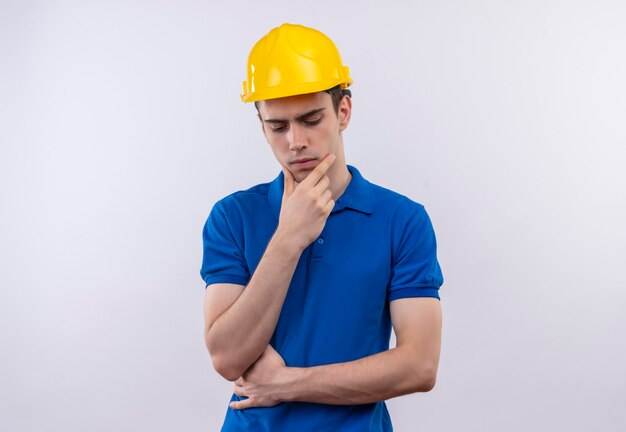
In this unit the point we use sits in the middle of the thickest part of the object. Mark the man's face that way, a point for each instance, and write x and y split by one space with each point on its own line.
302 130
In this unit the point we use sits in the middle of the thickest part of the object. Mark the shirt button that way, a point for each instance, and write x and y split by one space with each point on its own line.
320 241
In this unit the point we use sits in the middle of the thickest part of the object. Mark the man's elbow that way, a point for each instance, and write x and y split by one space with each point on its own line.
223 364
428 382
424 378
226 368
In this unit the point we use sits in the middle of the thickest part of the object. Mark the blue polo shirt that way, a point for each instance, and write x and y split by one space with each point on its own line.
377 246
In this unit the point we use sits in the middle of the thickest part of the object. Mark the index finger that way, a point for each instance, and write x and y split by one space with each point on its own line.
320 170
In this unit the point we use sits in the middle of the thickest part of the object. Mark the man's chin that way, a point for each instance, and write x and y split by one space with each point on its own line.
302 174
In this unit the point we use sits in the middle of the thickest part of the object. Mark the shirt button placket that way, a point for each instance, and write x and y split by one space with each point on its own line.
317 254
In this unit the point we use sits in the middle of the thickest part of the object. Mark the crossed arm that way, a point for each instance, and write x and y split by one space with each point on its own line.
409 367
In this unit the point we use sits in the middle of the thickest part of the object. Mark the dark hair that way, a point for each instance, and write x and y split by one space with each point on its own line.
336 94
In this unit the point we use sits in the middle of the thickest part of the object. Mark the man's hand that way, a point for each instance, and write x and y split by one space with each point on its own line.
261 382
306 205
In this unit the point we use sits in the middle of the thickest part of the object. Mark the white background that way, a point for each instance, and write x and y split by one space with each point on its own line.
121 125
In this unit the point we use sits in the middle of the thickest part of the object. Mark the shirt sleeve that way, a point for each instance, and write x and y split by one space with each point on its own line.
416 271
223 260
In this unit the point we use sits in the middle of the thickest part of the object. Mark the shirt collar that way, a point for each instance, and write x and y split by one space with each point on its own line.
357 196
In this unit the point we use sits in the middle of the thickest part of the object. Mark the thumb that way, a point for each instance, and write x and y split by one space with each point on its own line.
290 183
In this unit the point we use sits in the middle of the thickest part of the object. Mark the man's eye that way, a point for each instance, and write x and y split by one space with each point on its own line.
279 129
312 122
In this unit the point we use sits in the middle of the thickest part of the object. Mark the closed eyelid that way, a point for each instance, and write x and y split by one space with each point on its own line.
315 119
280 127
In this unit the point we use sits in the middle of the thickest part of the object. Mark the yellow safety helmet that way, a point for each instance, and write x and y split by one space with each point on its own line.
292 60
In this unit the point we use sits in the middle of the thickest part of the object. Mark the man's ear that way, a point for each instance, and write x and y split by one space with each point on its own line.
344 112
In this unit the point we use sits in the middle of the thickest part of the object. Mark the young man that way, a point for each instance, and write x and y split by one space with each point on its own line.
306 275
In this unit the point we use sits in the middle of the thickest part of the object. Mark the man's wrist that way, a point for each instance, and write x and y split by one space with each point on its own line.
287 242
292 386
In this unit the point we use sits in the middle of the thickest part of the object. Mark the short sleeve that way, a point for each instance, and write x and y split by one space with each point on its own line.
223 260
416 271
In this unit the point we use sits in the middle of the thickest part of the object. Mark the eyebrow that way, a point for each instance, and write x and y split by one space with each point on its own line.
298 118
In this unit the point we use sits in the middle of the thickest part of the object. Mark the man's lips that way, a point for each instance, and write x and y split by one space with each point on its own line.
304 163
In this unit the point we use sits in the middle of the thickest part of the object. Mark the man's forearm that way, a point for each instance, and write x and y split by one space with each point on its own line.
382 376
408 368
239 336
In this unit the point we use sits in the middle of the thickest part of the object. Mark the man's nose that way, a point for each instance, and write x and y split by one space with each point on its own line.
297 139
